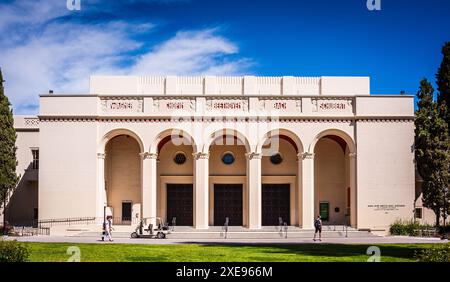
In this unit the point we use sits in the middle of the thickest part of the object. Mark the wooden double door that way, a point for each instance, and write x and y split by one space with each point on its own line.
180 204
275 204
228 203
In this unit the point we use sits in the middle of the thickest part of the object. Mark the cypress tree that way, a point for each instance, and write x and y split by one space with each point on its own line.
443 82
432 149
8 162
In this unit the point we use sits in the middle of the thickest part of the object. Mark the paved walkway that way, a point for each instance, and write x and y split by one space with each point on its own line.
371 240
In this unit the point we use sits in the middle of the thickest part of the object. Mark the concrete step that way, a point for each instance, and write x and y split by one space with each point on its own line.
266 235
207 234
216 232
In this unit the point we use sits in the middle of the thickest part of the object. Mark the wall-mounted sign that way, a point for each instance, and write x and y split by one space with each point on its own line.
227 105
122 105
169 105
285 105
384 207
332 105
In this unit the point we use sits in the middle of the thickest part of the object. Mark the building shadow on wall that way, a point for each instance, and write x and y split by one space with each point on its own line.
22 207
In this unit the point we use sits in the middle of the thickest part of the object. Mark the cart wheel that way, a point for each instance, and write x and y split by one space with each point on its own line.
160 235
134 235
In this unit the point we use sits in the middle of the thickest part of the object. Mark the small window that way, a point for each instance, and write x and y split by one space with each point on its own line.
35 163
228 158
418 213
180 158
276 159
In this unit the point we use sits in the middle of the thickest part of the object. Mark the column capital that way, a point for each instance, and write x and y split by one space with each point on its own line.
305 155
147 155
352 155
101 155
253 155
200 155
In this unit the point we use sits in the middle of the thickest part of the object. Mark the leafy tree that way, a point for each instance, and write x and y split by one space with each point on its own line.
8 162
432 148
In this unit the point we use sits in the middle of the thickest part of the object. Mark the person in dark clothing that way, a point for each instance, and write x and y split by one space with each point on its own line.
318 226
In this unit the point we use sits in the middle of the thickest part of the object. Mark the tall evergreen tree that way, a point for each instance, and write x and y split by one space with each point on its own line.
8 162
432 149
443 82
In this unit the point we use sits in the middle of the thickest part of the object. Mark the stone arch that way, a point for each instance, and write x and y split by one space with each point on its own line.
122 194
280 132
174 181
116 132
187 139
336 132
334 177
227 132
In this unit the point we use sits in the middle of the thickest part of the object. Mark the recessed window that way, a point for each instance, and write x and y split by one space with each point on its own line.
35 163
228 158
180 158
276 159
418 213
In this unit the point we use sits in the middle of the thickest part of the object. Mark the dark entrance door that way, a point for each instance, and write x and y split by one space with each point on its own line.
180 204
275 203
228 203
126 211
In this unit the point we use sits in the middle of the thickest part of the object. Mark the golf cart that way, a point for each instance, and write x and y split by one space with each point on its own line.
147 229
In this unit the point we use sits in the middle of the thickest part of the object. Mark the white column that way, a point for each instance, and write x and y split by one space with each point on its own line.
299 191
353 209
307 190
101 199
149 178
201 190
254 190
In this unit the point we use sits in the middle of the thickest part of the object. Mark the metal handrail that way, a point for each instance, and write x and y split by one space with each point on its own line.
225 227
174 222
280 223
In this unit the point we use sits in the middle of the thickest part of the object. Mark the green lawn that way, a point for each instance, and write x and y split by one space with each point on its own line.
221 253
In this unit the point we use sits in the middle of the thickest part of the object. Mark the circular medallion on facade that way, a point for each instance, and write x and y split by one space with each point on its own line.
180 158
228 158
276 159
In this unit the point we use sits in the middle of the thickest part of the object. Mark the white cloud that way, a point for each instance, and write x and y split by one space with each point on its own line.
191 52
48 53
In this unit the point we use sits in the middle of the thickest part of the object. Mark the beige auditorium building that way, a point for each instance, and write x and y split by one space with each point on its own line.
197 150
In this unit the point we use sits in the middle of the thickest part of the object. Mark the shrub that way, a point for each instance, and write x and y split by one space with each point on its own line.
434 254
443 229
13 251
408 228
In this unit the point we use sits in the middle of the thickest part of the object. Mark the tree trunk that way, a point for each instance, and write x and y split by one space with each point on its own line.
438 217
4 216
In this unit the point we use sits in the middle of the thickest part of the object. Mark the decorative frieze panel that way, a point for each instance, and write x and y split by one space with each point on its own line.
31 122
122 105
289 106
227 105
164 105
332 105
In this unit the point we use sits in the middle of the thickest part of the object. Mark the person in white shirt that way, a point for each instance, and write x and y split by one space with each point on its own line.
107 228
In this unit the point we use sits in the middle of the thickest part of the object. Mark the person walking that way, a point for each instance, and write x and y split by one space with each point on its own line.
318 226
107 228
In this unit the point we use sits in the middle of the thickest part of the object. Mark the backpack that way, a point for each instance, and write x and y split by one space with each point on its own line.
317 223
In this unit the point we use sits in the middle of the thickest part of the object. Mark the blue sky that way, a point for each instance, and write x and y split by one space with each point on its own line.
46 46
